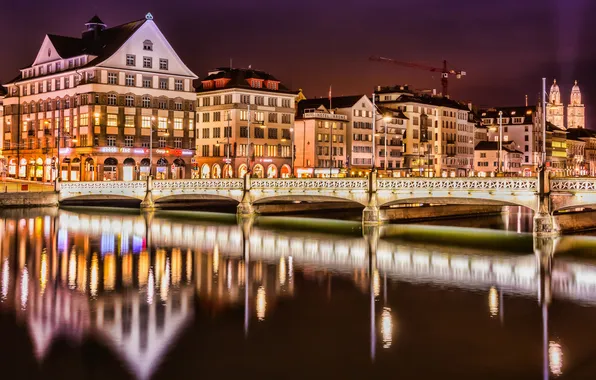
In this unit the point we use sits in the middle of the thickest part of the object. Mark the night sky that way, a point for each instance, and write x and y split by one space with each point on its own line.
505 46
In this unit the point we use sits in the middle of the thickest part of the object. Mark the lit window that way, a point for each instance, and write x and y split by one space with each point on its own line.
129 121
112 120
177 123
163 123
146 122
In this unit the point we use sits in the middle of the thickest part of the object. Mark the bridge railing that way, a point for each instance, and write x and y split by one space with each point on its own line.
503 183
101 187
311 184
199 184
573 184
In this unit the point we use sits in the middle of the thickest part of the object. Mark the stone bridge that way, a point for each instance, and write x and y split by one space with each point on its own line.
373 193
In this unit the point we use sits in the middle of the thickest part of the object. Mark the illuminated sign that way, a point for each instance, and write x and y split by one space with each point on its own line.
187 153
108 149
64 150
139 151
162 151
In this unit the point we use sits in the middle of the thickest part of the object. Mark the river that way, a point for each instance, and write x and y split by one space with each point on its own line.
115 294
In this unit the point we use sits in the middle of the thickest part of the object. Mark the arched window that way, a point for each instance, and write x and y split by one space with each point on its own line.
146 101
148 45
130 101
112 100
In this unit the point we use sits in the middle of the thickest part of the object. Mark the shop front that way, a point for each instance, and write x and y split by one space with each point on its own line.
129 169
110 169
178 169
144 169
161 171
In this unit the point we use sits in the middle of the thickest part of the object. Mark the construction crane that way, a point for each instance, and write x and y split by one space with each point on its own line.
444 70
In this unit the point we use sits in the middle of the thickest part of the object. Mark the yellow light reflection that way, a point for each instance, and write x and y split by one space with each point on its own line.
555 358
165 282
5 278
376 283
241 273
109 272
493 302
82 274
188 266
143 268
43 271
282 271
72 269
215 259
261 303
386 327
94 277
24 288
176 266
127 270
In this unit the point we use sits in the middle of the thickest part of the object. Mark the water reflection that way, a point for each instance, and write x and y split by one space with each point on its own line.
138 285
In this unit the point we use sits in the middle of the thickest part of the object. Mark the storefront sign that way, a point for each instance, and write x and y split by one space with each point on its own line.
64 150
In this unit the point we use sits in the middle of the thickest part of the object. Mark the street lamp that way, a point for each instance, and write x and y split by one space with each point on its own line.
387 118
500 142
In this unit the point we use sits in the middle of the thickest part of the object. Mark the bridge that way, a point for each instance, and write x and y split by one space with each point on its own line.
372 193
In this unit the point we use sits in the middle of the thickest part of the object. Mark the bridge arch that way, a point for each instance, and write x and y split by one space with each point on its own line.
306 197
528 201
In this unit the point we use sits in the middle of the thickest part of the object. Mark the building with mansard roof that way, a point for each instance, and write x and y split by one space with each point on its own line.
99 106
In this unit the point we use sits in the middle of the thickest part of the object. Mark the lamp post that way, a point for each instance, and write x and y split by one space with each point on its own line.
262 125
374 119
500 166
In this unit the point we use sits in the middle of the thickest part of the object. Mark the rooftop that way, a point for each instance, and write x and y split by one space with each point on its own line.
239 78
336 102
438 101
494 145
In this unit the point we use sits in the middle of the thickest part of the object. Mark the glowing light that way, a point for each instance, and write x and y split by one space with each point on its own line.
72 269
282 271
261 303
150 287
5 278
94 277
215 259
43 271
229 275
109 272
143 268
188 266
164 289
241 273
386 327
493 302
24 288
290 267
376 283
555 358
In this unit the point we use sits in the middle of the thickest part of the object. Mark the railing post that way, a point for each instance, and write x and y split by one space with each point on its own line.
371 213
148 204
245 206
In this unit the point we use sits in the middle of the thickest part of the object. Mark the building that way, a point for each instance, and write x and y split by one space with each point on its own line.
358 110
555 111
576 164
227 99
3 167
519 126
486 158
576 113
439 132
556 149
321 143
588 167
389 142
92 105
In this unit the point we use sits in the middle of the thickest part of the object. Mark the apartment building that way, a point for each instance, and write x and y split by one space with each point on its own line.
97 107
486 158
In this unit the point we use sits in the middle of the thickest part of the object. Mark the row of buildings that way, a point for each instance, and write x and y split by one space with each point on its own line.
119 104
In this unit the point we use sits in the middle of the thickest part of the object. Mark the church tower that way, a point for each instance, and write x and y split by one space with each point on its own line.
554 108
576 117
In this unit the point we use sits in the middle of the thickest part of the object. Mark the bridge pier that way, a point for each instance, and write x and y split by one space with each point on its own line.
371 215
245 207
148 204
544 221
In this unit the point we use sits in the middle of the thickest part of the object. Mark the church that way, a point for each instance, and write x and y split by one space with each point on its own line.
555 109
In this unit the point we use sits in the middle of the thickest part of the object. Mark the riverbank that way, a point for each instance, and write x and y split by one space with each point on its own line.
29 199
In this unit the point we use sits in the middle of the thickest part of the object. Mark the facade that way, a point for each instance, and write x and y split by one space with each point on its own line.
91 107
588 166
226 100
556 150
576 164
520 127
486 158
321 144
389 142
555 111
576 113
3 166
439 133
358 111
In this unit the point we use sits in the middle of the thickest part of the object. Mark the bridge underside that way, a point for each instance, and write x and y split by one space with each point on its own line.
528 200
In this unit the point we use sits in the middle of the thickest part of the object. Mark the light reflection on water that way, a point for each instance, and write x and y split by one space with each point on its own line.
143 287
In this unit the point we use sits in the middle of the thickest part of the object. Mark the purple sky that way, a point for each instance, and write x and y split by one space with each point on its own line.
505 46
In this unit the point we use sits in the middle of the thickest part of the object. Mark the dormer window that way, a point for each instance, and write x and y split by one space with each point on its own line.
220 83
207 84
271 85
148 45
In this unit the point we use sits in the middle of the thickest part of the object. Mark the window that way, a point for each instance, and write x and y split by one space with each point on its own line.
130 80
205 133
259 100
148 45
163 64
129 141
205 150
216 133
216 151
84 120
227 131
129 121
40 87
129 101
146 82
272 102
178 143
259 133
56 85
243 131
112 120
272 133
146 122
96 119
526 137
217 100
259 116
243 115
112 78
67 103
162 142
163 83
228 99
216 116
49 85
162 123
205 117
112 100
146 101
286 118
178 106
162 104
130 60
245 99
285 103
178 85
111 140
147 62
177 123
526 148
272 118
